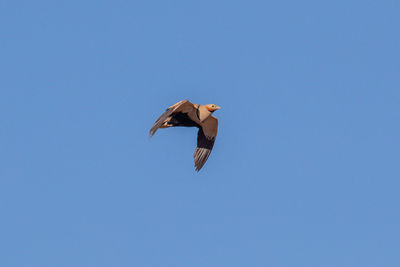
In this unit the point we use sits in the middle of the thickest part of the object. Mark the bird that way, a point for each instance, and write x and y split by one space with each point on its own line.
186 114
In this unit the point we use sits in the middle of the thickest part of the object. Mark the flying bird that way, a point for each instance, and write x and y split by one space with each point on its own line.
187 114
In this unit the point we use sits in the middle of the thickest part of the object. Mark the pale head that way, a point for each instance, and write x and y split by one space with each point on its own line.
212 107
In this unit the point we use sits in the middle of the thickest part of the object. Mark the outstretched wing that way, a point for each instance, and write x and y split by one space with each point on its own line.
182 106
205 141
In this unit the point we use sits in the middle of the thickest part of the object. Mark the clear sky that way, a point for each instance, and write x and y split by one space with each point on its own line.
305 168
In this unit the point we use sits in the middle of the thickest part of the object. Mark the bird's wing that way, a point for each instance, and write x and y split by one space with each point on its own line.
205 141
182 106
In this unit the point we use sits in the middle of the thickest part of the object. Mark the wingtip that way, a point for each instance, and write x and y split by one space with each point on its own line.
197 167
152 131
151 134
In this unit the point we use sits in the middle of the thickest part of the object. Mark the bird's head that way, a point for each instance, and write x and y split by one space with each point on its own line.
212 107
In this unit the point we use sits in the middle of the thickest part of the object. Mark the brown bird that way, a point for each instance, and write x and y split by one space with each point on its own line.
188 114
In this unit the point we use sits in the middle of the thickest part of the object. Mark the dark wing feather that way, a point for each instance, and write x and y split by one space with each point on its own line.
203 150
184 104
160 120
182 119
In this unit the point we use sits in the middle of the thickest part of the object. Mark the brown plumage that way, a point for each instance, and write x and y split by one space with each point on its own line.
188 114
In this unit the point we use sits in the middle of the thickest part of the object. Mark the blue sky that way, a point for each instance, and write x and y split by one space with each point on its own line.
305 169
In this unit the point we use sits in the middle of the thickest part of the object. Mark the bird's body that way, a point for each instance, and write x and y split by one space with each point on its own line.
188 114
